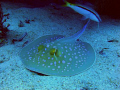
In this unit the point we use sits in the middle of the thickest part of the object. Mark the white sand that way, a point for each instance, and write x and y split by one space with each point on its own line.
104 75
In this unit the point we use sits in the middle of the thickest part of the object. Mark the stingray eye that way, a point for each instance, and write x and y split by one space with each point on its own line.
40 48
52 51
57 53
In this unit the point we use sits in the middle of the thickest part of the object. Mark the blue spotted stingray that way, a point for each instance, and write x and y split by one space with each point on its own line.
57 55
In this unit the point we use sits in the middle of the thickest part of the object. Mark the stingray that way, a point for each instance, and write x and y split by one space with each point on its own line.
57 55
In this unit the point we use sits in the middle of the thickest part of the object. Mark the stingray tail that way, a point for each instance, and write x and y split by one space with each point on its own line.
79 33
75 36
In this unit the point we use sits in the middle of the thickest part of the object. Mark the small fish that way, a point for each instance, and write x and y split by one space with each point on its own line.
57 55
87 12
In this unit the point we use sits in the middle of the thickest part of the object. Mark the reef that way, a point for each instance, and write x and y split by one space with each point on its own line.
3 29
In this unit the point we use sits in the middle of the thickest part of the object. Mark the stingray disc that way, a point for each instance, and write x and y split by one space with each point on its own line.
49 56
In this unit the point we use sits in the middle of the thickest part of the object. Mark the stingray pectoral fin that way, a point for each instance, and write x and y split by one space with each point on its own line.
90 53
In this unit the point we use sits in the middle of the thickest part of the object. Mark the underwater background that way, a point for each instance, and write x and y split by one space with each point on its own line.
23 21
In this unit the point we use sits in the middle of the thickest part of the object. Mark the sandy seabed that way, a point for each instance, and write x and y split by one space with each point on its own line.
103 75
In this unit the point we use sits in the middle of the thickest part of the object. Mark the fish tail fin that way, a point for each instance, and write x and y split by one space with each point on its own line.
66 3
